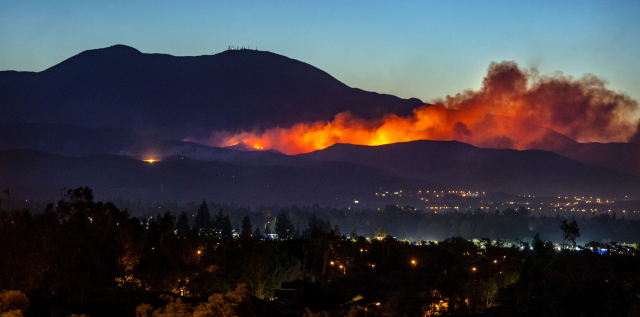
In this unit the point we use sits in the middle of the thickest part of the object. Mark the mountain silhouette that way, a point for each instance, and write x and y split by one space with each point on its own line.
90 120
465 167
38 174
179 97
74 141
454 165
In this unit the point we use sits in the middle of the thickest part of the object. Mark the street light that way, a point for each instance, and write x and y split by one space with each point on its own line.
365 308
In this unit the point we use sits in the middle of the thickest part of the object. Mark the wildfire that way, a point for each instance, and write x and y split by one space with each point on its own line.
514 108
150 160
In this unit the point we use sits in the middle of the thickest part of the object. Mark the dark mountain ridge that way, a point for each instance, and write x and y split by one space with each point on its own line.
104 110
38 174
451 164
179 97
462 166
73 141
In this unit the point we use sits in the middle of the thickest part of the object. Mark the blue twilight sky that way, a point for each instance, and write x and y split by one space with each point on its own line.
423 49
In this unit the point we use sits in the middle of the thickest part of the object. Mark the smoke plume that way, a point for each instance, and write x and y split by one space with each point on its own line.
515 108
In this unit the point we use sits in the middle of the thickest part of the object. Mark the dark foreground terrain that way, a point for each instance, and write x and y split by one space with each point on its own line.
85 257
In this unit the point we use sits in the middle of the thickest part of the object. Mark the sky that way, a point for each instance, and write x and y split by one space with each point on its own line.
423 49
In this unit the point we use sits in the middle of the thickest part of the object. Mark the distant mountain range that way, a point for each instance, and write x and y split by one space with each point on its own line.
111 161
73 141
92 119
31 173
460 165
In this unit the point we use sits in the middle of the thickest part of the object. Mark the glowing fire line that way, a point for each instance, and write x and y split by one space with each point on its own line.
514 109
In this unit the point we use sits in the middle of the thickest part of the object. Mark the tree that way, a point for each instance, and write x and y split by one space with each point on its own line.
336 231
354 233
246 227
13 303
222 225
379 232
86 241
203 218
257 232
174 308
233 304
166 226
226 230
183 224
317 227
261 266
488 290
284 227
570 232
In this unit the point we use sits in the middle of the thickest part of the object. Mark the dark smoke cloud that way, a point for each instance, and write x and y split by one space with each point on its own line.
515 108
583 109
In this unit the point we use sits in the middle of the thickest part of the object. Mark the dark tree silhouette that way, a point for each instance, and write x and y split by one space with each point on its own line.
218 223
183 224
203 218
246 227
336 231
570 232
317 227
226 230
284 227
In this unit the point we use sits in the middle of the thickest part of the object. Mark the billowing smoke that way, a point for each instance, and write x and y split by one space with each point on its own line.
514 108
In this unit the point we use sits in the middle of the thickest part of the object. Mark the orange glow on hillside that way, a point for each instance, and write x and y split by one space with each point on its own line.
150 160
514 109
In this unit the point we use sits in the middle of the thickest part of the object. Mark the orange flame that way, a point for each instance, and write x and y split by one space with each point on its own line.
514 108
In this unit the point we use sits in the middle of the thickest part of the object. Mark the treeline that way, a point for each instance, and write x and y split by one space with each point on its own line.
80 246
408 223
84 248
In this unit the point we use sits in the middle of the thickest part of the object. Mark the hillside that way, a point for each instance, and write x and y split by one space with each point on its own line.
37 174
179 97
451 164
74 141
465 167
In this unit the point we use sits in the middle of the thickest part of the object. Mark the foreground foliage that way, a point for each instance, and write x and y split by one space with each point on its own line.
83 248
